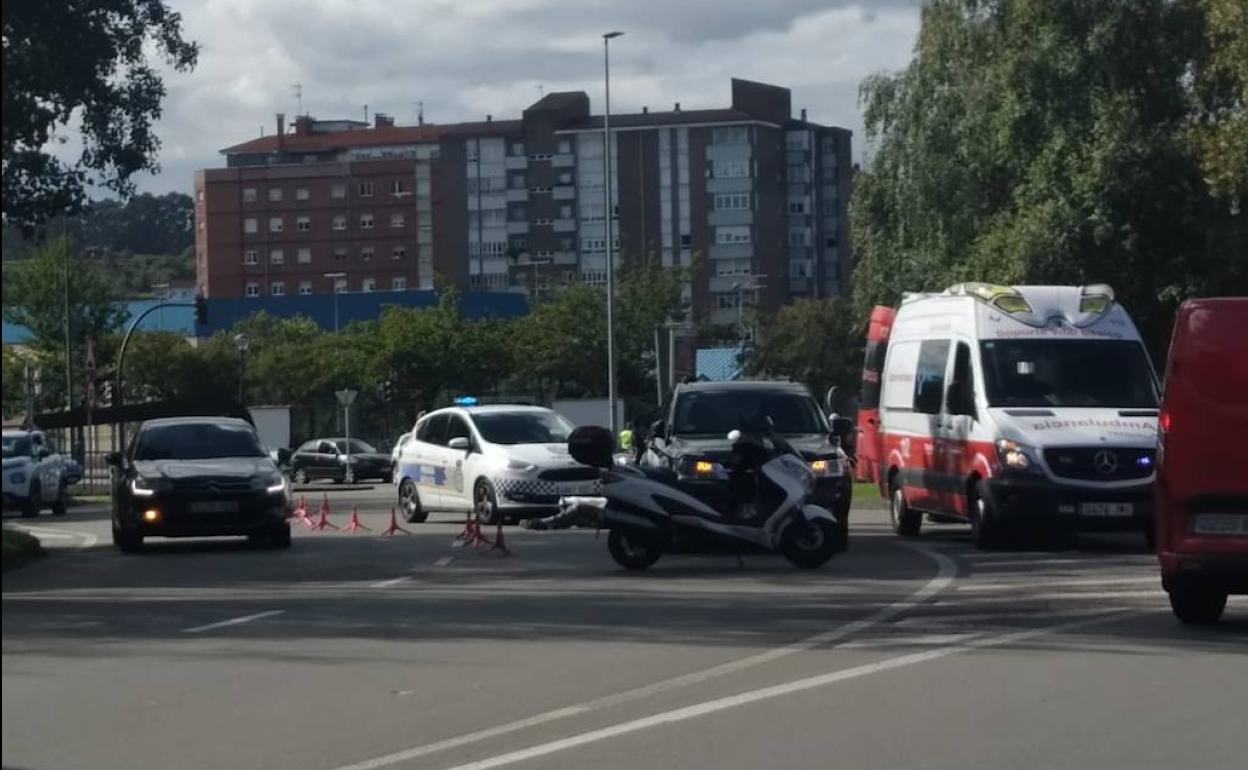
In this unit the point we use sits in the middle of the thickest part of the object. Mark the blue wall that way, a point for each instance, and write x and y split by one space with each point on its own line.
180 320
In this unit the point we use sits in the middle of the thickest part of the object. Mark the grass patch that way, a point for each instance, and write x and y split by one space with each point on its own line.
19 548
90 500
866 490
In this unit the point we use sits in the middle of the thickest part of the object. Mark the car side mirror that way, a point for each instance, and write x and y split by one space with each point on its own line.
658 429
459 443
113 459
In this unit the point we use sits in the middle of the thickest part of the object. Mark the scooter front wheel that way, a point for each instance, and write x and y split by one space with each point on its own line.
809 546
632 552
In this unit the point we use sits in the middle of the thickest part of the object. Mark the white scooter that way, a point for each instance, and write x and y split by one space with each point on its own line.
756 504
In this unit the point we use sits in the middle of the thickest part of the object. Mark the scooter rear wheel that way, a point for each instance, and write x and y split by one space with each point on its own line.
811 546
631 552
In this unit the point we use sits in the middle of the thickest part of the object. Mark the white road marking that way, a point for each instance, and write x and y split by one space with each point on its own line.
232 621
445 560
1060 584
947 569
391 582
56 533
767 693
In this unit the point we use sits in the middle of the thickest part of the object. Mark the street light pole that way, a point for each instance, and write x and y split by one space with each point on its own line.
240 340
606 162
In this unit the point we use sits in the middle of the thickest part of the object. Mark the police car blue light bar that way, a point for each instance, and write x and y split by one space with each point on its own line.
466 401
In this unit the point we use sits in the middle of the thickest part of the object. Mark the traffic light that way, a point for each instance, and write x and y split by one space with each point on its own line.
201 310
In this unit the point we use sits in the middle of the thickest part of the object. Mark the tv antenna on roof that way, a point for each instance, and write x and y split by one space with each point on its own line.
420 113
541 90
298 89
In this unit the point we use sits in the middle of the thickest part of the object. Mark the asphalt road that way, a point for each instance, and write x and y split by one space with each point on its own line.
357 651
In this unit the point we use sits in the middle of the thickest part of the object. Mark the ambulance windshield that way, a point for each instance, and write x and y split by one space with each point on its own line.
1070 373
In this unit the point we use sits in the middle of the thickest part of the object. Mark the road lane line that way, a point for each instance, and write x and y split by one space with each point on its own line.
390 582
232 622
947 570
445 560
775 691
974 587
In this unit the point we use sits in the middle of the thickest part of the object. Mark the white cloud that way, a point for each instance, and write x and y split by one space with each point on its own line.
468 58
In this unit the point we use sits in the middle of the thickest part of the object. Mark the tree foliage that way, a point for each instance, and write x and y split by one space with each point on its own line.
812 341
1048 141
82 65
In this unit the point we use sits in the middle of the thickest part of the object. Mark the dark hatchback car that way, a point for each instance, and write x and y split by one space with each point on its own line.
198 477
328 458
695 425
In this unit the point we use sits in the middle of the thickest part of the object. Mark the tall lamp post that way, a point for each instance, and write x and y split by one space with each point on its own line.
240 341
334 277
606 163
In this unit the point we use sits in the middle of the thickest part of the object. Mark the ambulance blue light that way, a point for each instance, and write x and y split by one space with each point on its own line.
466 401
1144 461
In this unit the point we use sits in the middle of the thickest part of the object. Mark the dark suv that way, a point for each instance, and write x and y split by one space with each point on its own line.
198 477
695 423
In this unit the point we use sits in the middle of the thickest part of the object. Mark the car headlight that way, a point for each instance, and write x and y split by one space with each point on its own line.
277 484
141 487
1016 457
699 468
826 466
519 465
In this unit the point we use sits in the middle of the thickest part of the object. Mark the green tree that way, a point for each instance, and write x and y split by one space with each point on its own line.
66 61
14 383
1043 141
812 341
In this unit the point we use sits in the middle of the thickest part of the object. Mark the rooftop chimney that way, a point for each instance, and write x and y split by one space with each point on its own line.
489 118
645 110
382 120
303 125
281 127
803 114
677 106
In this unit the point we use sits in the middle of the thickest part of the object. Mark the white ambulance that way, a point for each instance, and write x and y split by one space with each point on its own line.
1013 406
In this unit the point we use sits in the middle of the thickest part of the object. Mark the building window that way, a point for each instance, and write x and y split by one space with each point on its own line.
731 267
518 181
250 226
731 135
739 234
305 288
830 241
398 252
249 195
540 156
543 222
731 169
366 221
517 148
340 255
369 285
396 187
565 146
593 245
276 257
398 219
301 194
338 190
340 285
366 253
565 212
686 240
252 290
199 196
366 189
518 245
277 289
303 224
251 257
565 244
398 284
304 255
798 238
727 301
340 222
275 195
539 190
797 207
565 177
276 224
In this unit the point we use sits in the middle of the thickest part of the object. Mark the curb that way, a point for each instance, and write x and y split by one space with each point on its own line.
20 548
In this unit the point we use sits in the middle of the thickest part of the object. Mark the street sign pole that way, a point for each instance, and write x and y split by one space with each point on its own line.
346 398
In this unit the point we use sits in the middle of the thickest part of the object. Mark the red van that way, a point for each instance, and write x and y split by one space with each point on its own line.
1202 489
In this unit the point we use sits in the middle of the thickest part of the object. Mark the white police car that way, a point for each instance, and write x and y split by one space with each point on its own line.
506 462
34 473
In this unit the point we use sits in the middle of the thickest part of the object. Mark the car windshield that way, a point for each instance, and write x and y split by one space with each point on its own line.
17 446
357 447
716 412
196 441
523 427
1070 373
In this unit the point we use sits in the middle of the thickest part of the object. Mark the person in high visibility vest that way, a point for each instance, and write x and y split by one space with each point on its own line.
626 440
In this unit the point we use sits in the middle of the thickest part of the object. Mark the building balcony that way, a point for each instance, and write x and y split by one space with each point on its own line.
564 225
723 284
563 160
517 196
801 285
743 184
516 162
731 250
727 152
565 258
563 193
718 218
517 228
487 201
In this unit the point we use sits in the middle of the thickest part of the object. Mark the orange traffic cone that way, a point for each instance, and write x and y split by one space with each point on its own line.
500 543
355 525
301 513
394 527
324 523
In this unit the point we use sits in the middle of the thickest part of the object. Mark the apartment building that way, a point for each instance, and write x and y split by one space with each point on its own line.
749 200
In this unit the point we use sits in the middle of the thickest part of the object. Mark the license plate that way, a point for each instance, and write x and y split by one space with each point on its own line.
1106 509
582 489
214 506
1220 524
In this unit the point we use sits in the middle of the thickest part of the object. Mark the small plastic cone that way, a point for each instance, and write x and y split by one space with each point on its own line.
324 523
394 527
355 525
